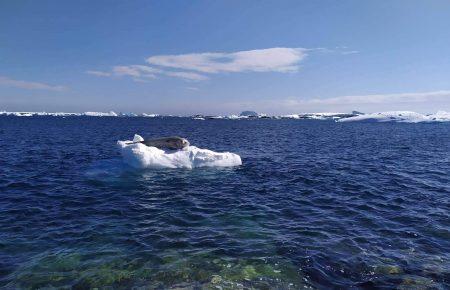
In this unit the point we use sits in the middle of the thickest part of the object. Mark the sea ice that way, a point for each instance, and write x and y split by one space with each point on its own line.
141 156
400 116
440 116
315 116
100 114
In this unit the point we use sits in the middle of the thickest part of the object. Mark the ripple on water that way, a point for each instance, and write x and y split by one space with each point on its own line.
326 205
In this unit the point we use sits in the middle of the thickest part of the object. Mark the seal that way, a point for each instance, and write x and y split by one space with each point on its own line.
172 143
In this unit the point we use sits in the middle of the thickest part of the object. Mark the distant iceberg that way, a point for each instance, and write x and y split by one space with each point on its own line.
399 116
317 116
32 114
141 156
100 114
88 114
148 115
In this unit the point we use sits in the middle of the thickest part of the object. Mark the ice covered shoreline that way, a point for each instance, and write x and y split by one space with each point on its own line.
65 114
400 117
313 116
141 156
389 116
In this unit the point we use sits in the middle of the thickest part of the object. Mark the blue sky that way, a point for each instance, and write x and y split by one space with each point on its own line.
219 57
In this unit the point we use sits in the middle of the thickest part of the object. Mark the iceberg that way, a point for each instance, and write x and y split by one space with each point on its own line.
399 116
100 114
317 116
88 114
139 155
148 115
440 116
58 114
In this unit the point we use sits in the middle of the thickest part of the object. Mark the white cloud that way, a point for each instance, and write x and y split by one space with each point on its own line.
141 73
278 59
137 71
383 98
98 73
425 102
196 66
350 52
186 75
4 81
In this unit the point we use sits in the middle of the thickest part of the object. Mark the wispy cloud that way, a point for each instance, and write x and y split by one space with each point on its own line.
197 66
4 81
278 59
350 52
137 71
142 73
343 50
98 73
383 98
427 101
192 76
201 66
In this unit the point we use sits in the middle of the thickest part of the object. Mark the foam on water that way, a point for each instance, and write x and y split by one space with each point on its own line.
139 155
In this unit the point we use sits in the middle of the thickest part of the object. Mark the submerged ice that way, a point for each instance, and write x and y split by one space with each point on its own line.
139 155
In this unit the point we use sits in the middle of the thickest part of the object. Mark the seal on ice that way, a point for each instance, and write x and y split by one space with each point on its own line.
172 143
136 154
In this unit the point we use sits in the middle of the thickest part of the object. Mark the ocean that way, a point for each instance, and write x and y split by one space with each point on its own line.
314 205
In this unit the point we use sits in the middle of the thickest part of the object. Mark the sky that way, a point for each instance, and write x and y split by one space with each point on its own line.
222 57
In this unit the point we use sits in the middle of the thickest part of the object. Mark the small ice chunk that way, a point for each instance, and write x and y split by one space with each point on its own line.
139 155
137 138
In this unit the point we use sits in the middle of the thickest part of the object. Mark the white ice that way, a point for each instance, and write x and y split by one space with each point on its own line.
139 155
90 114
100 114
314 116
400 116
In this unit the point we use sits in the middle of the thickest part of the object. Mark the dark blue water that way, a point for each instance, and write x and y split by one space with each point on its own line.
315 204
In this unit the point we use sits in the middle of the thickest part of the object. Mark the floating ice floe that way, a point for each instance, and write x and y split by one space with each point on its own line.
88 114
399 116
31 114
139 155
317 116
100 114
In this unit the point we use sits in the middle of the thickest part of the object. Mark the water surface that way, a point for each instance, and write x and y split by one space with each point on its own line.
316 204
